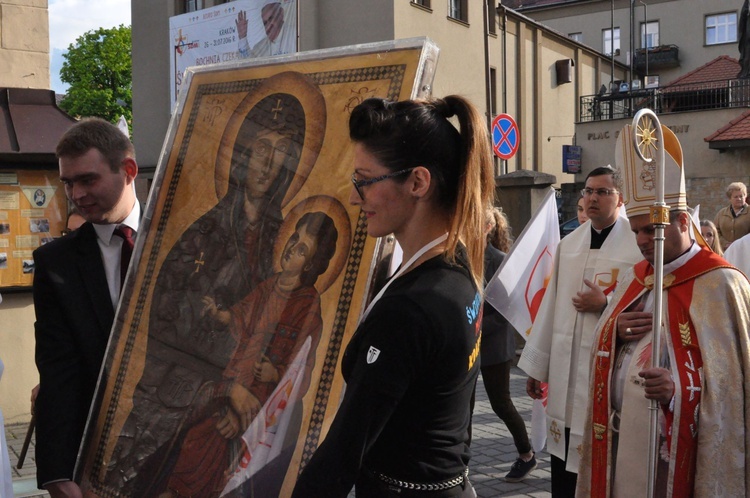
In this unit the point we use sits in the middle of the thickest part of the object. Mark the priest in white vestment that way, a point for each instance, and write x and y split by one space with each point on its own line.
588 264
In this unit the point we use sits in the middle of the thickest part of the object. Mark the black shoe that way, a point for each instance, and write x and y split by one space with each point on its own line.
520 470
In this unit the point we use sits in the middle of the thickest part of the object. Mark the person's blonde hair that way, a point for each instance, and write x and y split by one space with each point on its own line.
500 235
413 133
716 244
736 186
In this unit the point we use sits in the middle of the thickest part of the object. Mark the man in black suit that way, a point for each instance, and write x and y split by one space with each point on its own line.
77 284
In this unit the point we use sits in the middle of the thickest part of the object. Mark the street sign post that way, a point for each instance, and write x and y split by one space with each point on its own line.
505 136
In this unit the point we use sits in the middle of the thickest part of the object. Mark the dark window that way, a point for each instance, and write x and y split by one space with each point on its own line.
459 9
193 5
611 44
650 34
491 18
423 3
493 91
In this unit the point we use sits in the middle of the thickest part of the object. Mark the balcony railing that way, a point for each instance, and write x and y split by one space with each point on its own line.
720 94
661 57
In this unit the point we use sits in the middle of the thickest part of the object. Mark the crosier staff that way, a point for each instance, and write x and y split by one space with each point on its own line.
648 142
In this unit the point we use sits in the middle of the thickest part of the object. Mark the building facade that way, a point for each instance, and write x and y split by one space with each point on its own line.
678 35
690 80
514 72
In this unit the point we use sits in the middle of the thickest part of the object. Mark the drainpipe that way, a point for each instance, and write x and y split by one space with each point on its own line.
505 72
487 73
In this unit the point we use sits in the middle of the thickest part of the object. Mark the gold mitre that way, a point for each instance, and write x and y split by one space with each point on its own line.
639 177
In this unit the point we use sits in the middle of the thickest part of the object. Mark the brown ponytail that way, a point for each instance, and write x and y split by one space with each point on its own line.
476 187
419 133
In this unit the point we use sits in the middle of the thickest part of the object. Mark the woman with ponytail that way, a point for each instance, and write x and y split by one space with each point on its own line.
402 426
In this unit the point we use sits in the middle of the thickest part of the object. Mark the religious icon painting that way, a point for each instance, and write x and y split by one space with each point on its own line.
249 275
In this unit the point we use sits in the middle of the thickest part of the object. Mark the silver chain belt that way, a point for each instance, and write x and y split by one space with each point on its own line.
426 486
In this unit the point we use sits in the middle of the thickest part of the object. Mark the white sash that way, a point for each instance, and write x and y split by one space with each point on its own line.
403 268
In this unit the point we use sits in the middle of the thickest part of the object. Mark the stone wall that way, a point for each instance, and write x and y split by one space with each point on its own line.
24 44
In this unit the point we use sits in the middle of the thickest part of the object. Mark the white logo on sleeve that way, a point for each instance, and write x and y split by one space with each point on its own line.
372 354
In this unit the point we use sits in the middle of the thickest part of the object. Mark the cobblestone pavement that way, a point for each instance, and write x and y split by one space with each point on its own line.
493 451
492 447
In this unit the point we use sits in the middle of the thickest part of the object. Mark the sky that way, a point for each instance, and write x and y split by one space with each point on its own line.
69 19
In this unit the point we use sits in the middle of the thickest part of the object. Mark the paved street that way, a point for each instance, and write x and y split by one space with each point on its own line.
493 450
24 479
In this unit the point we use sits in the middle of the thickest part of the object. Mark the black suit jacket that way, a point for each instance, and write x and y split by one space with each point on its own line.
74 315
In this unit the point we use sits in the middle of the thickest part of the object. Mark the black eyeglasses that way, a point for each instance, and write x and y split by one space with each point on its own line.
358 184
601 192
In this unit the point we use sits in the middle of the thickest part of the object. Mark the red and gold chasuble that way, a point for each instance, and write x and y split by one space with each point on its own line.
682 424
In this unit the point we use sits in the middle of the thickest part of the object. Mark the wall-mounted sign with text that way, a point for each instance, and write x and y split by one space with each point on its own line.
571 158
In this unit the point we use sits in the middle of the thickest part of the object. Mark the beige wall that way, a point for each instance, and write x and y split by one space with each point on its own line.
24 44
17 353
681 23
546 111
460 68
529 91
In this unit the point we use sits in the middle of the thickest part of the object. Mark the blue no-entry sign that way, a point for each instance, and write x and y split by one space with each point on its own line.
505 136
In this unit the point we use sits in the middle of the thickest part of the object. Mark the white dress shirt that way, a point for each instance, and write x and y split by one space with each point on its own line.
111 247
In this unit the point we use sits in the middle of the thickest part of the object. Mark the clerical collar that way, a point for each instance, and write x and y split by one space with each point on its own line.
599 236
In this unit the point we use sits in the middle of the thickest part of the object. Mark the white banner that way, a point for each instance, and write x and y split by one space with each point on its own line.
230 31
264 438
518 286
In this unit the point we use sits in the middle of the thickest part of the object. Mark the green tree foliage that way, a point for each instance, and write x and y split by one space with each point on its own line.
98 68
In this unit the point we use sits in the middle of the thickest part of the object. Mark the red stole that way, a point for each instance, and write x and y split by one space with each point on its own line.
686 353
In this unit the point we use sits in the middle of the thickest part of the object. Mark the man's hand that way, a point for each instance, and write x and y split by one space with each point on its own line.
244 403
658 384
634 325
591 300
241 23
64 489
34 394
534 388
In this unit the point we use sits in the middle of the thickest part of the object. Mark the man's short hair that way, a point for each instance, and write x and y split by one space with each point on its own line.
96 133
608 170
